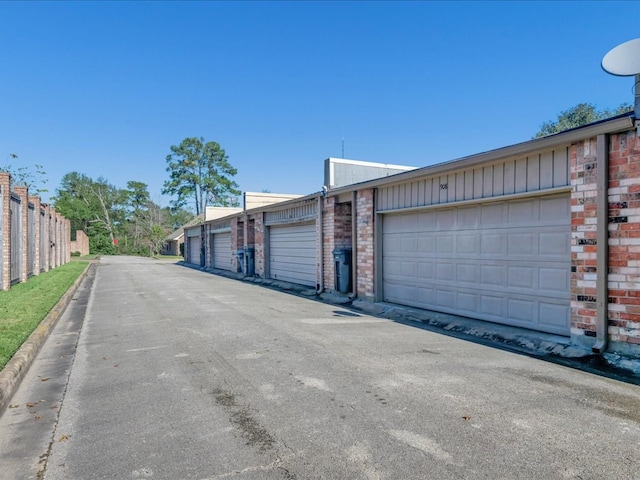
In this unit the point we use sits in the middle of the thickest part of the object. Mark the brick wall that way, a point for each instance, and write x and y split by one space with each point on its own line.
623 296
336 224
365 252
328 242
237 242
5 232
624 240
23 193
259 237
583 238
30 234
80 244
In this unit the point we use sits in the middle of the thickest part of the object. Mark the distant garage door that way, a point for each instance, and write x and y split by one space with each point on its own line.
292 253
506 262
222 250
194 250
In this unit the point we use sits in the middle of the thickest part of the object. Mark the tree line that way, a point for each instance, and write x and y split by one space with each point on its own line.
126 220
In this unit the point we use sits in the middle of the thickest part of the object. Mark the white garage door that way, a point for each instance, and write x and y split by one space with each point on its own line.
194 250
507 262
222 250
292 253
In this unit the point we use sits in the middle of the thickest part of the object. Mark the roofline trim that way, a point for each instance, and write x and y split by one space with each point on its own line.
544 143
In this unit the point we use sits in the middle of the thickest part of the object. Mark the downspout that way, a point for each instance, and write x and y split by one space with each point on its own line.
602 239
320 286
354 245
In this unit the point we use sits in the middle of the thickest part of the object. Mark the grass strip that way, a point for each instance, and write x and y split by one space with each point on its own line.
24 306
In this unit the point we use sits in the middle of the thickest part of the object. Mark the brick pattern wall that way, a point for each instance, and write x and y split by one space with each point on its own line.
365 252
61 238
328 242
336 224
259 237
237 242
47 238
81 243
623 302
35 268
583 237
624 239
5 191
23 193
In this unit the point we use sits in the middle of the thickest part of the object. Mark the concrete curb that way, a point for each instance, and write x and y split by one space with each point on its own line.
15 370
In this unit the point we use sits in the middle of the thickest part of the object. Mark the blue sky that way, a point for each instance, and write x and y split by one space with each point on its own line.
105 88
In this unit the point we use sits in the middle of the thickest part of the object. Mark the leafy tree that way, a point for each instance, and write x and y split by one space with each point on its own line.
147 223
94 206
581 114
32 177
177 217
200 172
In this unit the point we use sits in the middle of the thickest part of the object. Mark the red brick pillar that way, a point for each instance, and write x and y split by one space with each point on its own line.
59 239
46 237
67 240
624 243
328 240
35 200
584 249
365 215
23 193
259 245
53 233
5 231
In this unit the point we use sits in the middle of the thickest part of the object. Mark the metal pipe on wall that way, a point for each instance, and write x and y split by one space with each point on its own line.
602 239
354 244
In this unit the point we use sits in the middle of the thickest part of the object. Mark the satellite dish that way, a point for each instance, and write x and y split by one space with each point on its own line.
623 60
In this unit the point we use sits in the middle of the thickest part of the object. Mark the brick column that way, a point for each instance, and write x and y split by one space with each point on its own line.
35 200
584 249
67 241
54 238
46 236
259 245
328 240
624 243
5 231
23 193
365 251
59 239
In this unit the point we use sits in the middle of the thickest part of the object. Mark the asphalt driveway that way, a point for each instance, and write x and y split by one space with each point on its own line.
180 374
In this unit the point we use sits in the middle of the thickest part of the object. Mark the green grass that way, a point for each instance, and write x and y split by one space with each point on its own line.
168 257
24 306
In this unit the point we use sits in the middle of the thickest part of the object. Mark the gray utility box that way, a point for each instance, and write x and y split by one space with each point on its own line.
240 255
250 255
342 259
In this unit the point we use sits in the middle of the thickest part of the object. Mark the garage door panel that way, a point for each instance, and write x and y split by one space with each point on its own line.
553 315
222 251
515 272
444 244
553 243
492 275
554 209
522 310
292 256
467 302
194 250
468 243
492 243
552 279
492 306
492 215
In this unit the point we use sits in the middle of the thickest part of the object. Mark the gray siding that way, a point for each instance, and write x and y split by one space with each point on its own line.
540 171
